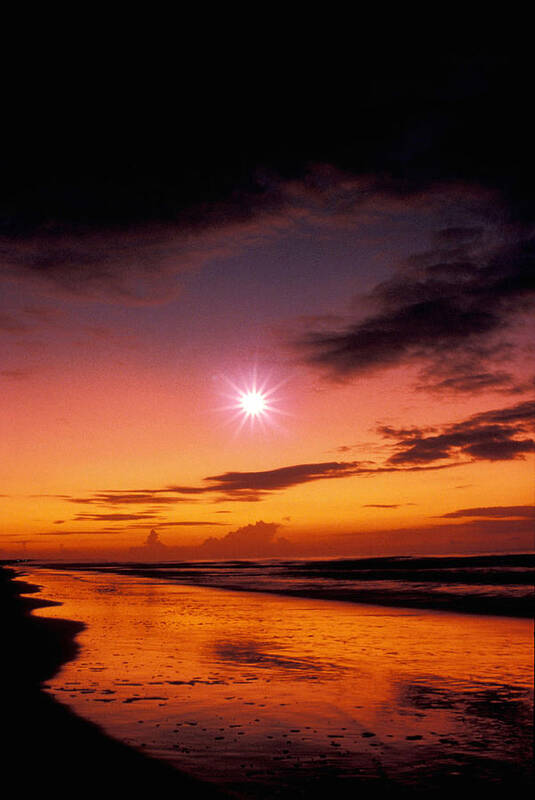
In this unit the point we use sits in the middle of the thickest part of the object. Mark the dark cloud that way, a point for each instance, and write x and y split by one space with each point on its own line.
521 413
113 517
471 383
493 512
495 435
133 158
132 526
251 541
135 265
381 505
137 497
283 477
246 487
179 524
121 160
142 263
99 532
442 310
254 486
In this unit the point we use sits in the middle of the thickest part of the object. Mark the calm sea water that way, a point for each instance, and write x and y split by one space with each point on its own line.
269 694
486 584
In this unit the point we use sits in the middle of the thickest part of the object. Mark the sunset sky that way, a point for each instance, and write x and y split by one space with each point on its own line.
365 260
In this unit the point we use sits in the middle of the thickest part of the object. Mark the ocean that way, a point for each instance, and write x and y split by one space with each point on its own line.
494 584
276 680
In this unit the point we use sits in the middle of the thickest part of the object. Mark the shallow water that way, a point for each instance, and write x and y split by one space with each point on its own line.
486 584
265 693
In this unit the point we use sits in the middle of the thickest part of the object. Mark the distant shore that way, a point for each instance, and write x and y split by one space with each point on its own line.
49 747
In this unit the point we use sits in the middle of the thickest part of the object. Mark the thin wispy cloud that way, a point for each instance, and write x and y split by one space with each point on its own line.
492 512
110 499
381 505
113 517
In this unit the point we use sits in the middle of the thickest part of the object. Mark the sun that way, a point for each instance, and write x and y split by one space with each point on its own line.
253 403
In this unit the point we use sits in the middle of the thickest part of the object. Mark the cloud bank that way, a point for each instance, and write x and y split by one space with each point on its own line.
250 541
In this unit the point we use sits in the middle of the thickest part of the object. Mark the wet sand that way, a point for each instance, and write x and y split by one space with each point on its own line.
223 715
46 746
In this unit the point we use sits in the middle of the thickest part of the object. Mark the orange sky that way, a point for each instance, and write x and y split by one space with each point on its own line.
364 248
109 403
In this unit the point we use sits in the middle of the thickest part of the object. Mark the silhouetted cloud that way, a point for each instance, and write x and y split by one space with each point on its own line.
522 413
113 517
180 524
136 497
251 541
143 262
251 487
227 487
95 208
131 524
283 477
493 512
494 435
381 505
254 486
489 436
442 310
468 383
132 265
98 532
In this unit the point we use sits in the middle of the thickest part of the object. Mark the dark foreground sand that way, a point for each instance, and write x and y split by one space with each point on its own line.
48 748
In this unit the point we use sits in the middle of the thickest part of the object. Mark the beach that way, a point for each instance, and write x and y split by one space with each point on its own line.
268 421
282 710
47 747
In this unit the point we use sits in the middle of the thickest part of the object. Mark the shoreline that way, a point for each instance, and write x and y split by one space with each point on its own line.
48 746
410 598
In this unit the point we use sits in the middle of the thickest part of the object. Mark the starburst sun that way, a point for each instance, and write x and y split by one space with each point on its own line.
253 402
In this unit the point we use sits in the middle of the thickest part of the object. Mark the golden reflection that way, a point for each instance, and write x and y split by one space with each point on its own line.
215 679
